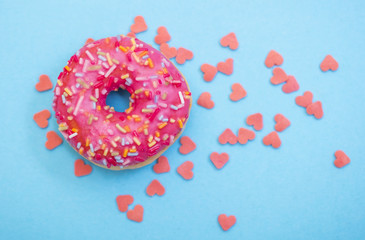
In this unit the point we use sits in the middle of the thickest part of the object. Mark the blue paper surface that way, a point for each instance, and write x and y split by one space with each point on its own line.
293 192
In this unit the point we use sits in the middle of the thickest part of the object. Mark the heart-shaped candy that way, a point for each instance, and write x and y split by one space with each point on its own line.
282 122
230 40
162 165
291 85
209 71
81 169
227 137
273 58
244 135
329 63
272 139
123 201
53 140
183 55
219 160
226 222
278 76
155 187
205 100
315 109
341 159
162 36
139 25
255 120
238 92
136 214
169 52
185 170
305 100
226 67
187 145
41 118
44 83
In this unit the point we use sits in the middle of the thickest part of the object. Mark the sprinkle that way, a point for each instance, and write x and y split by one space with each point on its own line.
153 77
165 120
89 55
141 78
136 140
133 154
125 76
164 95
173 107
162 125
181 98
109 59
81 61
93 98
125 152
102 58
72 135
106 151
78 145
138 91
97 92
81 98
115 154
109 116
91 148
151 144
110 70
145 110
94 105
79 74
120 129
93 67
85 85
180 123
113 143
163 105
63 99
67 68
68 91
105 65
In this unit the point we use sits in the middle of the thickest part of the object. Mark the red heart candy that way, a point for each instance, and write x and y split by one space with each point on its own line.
209 72
204 100
272 139
227 137
162 165
187 145
219 160
329 63
139 25
282 122
185 170
44 83
41 118
291 85
278 76
238 92
226 222
273 58
136 214
169 52
131 34
89 40
226 67
163 35
230 40
123 201
244 135
82 169
341 159
315 109
305 100
183 55
256 121
53 140
155 187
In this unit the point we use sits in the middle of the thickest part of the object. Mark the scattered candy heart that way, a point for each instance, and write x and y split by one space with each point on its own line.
163 35
204 100
183 55
185 170
315 109
238 92
82 169
273 58
162 165
155 187
230 40
278 76
227 137
169 52
44 83
291 85
41 118
226 67
139 25
53 140
123 201
282 122
131 34
256 121
209 72
272 139
187 145
219 160
226 222
244 135
305 100
341 159
89 40
136 214
329 63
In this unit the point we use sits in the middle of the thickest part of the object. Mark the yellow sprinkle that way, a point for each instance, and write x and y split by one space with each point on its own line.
147 110
125 76
92 98
62 128
109 116
90 120
69 110
172 120
70 118
137 119
151 144
129 117
74 130
138 91
117 139
93 67
81 150
59 83
82 83
106 151
147 93
127 128
91 153
115 154
98 107
150 138
67 68
68 91
133 150
165 137
162 125
115 61
101 53
125 152
145 131
123 48
103 146
120 128
165 70
136 140
113 143
150 63
157 134
87 142
109 59
134 44
128 110
154 83
164 95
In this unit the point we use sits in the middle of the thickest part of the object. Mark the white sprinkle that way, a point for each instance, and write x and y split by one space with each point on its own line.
79 74
151 106
181 98
72 135
86 65
180 106
91 147
90 55
163 105
123 141
101 72
73 89
110 70
160 118
104 162
97 93
157 139
174 107
141 78
100 142
105 65
156 98
133 154
81 61
63 99
153 77
94 105
78 145
172 139
77 85
110 132
102 58
103 91
57 91
165 120
81 98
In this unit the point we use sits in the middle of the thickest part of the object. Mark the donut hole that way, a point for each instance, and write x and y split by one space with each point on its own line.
118 99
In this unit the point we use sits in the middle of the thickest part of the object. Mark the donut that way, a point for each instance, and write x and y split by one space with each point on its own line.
159 107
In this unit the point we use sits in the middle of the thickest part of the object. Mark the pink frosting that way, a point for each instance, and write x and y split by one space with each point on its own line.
159 103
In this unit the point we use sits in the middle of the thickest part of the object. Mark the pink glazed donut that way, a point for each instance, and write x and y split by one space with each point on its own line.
158 110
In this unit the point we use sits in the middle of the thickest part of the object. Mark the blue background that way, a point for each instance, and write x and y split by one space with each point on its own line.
294 192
